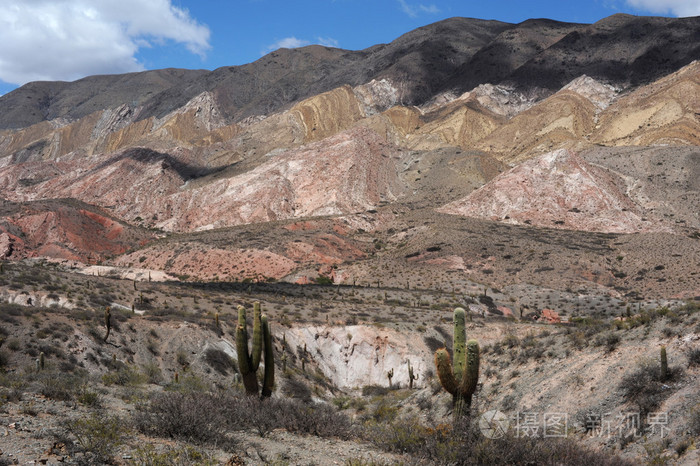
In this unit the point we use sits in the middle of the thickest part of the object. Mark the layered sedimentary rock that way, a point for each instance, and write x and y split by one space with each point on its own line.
556 190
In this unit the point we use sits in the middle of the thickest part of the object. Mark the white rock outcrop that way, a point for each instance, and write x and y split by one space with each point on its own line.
355 356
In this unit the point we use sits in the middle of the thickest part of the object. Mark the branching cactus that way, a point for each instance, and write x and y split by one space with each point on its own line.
248 362
461 378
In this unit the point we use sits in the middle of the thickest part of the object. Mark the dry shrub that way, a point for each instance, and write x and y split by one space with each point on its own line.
645 387
465 445
60 386
220 361
208 418
98 436
195 417
693 355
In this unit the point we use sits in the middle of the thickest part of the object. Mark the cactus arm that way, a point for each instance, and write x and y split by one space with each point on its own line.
459 339
250 380
257 337
269 378
471 374
444 371
242 350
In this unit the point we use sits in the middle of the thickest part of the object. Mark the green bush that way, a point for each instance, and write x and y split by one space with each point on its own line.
324 280
172 456
61 386
152 372
98 435
125 376
89 397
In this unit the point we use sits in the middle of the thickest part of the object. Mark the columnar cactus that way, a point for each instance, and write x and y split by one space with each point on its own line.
108 322
459 380
411 376
40 362
248 362
664 364
269 375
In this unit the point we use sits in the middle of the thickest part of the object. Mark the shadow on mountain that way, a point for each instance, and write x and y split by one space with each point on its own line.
167 162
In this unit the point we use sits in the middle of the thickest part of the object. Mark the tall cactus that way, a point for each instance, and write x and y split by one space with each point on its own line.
248 362
269 375
108 322
461 379
664 364
411 375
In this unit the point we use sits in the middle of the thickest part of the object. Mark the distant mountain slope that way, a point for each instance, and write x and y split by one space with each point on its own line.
64 229
555 190
456 54
41 101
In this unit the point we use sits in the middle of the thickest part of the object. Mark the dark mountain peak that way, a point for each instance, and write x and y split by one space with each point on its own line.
455 54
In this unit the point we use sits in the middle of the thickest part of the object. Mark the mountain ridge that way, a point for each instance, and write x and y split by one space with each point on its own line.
429 60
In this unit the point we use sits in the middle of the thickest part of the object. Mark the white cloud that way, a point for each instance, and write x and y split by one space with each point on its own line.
413 10
680 8
432 9
290 43
293 42
69 39
327 42
408 9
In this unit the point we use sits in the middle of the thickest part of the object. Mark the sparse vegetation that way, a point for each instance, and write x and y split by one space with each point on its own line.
159 375
644 386
98 436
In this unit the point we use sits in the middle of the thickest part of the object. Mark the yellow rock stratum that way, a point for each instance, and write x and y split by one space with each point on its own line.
664 112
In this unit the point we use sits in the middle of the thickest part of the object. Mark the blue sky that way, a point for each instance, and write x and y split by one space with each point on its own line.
70 39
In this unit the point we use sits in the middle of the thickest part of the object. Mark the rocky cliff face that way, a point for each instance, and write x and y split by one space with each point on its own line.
356 355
